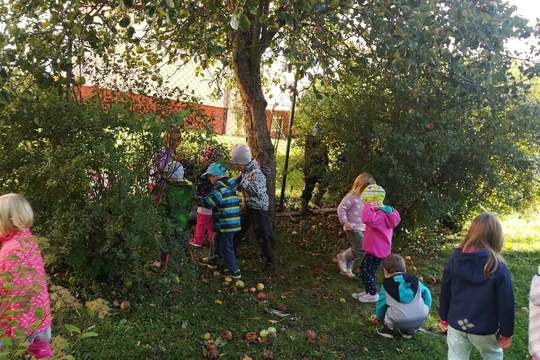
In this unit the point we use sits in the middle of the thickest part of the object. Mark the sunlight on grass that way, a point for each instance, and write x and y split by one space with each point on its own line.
522 232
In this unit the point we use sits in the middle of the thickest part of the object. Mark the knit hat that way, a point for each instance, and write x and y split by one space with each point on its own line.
241 154
215 169
373 194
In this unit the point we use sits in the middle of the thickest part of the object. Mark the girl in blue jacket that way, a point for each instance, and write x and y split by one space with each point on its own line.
477 300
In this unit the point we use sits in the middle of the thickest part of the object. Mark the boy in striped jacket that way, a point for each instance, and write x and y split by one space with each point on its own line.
225 204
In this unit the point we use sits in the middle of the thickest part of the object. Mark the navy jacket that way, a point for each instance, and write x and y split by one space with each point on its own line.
471 302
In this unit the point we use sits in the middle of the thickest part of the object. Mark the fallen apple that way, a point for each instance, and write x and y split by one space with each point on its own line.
245 357
228 279
263 333
271 330
211 346
281 307
267 355
240 284
260 287
261 296
310 335
217 274
252 290
213 355
226 335
124 305
218 302
207 336
250 337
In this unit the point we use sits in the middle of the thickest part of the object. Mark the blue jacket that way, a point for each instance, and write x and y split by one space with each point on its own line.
471 302
224 200
402 288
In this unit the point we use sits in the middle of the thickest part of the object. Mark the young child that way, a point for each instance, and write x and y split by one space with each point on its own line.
380 221
477 300
350 216
21 259
224 202
204 188
253 183
534 317
404 301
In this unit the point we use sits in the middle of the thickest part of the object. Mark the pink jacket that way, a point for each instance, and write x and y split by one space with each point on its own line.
20 250
350 211
379 230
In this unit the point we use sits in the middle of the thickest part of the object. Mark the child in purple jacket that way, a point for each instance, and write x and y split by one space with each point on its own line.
380 221
350 216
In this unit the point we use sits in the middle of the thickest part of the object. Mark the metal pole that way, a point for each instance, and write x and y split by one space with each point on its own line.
287 152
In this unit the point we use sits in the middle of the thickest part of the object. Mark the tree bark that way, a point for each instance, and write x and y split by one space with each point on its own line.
247 69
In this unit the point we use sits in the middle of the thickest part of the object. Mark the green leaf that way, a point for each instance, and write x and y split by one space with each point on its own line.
125 21
244 23
39 313
72 329
89 334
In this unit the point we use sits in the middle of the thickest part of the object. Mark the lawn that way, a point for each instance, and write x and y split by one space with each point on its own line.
170 324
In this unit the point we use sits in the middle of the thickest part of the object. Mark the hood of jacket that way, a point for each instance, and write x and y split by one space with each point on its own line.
469 266
402 287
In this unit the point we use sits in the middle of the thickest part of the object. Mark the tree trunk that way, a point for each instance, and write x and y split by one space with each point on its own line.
247 69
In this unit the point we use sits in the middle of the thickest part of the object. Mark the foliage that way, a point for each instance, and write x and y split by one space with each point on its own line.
437 115
84 169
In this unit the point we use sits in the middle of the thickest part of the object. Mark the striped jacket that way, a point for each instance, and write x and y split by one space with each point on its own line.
224 200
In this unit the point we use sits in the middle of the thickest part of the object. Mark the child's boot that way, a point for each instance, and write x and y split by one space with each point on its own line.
342 262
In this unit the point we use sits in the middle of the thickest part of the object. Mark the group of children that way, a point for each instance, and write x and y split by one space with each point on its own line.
219 213
476 301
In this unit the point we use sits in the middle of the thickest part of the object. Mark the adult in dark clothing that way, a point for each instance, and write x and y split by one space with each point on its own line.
315 168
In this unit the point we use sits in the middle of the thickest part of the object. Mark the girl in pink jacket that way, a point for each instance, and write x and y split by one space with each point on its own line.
380 221
350 216
24 304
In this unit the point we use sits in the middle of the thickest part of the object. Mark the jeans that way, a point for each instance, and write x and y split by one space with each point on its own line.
460 344
225 243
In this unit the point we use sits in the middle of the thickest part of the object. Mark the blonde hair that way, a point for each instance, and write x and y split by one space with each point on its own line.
486 233
15 213
361 182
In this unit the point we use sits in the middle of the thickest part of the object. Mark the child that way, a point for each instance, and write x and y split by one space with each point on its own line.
380 221
404 301
477 300
534 317
350 216
224 202
253 183
204 188
21 260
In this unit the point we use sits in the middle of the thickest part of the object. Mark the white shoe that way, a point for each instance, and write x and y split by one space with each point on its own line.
367 298
348 274
342 263
358 295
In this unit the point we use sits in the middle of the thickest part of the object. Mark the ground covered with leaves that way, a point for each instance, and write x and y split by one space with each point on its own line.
177 317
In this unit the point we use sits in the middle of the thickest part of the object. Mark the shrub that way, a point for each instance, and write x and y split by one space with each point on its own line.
85 168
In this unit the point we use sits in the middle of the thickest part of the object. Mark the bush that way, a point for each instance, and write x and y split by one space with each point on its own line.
440 151
85 170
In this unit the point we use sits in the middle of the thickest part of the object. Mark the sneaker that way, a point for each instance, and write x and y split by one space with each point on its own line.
387 332
342 264
406 334
237 275
194 244
358 295
368 298
348 274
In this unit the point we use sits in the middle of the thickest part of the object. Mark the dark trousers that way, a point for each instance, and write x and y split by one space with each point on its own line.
370 264
260 222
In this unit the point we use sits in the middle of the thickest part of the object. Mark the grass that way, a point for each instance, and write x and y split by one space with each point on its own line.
169 324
